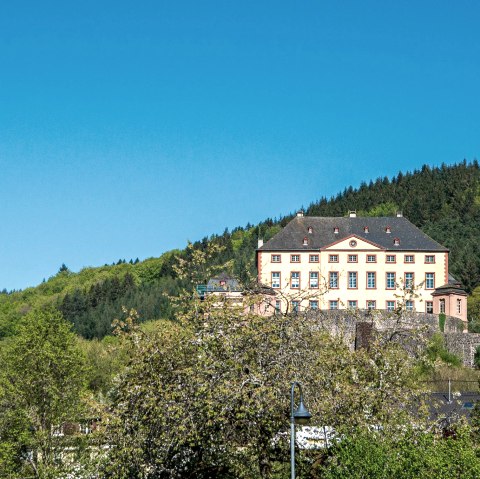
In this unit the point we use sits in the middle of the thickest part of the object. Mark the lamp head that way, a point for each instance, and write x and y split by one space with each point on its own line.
301 414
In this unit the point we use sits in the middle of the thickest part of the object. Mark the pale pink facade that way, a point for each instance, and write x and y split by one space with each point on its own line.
451 300
381 263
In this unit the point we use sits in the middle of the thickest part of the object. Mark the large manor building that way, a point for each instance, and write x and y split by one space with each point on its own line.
358 263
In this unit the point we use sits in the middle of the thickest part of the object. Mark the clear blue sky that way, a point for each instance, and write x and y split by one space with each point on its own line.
127 128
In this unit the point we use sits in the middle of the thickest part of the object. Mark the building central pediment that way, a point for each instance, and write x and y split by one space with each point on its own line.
352 243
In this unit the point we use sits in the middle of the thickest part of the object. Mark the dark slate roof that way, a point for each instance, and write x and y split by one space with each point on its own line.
453 286
461 405
222 283
291 237
452 279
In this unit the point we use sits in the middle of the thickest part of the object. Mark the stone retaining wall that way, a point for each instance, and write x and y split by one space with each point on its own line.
463 345
356 328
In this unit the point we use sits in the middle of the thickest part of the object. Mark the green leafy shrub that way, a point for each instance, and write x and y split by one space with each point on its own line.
441 321
436 349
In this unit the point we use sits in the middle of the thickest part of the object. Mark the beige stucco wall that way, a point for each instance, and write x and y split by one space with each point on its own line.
361 294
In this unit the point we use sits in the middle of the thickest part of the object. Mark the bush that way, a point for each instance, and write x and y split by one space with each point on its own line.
437 350
441 321
405 456
476 359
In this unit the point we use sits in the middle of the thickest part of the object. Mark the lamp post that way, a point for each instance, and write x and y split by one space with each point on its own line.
299 415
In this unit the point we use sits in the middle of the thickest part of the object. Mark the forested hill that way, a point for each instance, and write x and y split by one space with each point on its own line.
444 202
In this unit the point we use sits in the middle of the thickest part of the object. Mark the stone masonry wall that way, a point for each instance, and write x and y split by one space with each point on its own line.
463 345
353 326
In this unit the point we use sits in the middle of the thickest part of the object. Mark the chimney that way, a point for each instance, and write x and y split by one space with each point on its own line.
260 243
399 214
352 214
300 213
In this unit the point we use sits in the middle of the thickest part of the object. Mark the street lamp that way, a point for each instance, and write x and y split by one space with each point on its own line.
300 416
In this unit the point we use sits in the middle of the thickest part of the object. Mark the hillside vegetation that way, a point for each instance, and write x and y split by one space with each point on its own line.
443 201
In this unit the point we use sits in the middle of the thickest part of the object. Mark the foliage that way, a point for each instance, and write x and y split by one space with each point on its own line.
474 311
476 359
92 298
475 420
197 265
436 350
208 394
41 384
91 312
105 359
408 454
383 209
441 321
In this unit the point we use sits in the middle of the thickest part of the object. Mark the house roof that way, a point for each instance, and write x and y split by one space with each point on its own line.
452 287
223 282
461 404
322 234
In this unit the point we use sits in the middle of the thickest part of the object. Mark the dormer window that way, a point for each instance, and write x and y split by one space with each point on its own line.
336 230
396 242
365 229
305 241
310 230
388 230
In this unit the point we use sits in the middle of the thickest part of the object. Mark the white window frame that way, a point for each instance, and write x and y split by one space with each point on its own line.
276 275
442 305
390 305
295 279
429 305
388 279
352 304
333 305
333 275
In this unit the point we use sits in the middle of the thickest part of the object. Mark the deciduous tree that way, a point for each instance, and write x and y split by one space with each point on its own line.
41 384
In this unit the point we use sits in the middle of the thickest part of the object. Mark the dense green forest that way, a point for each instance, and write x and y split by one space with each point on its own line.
443 201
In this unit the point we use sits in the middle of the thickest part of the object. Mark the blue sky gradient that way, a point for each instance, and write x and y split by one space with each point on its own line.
128 128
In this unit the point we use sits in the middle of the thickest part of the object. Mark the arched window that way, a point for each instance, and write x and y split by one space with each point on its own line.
442 305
